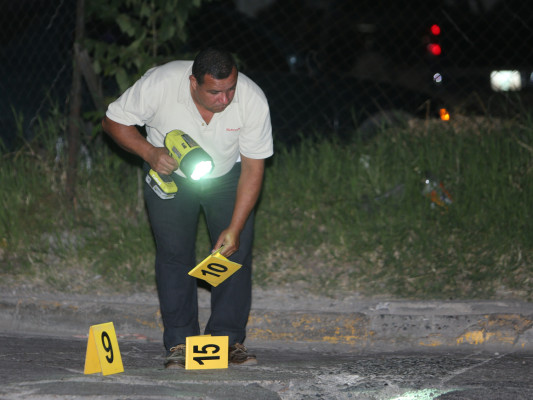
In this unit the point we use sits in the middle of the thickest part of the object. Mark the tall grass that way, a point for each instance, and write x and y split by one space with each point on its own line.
353 217
333 217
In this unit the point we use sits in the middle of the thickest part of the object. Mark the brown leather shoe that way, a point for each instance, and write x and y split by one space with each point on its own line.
238 355
176 357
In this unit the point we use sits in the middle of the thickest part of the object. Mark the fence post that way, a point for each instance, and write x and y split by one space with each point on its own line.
74 121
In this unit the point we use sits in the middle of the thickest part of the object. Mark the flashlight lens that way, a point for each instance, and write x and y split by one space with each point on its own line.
201 169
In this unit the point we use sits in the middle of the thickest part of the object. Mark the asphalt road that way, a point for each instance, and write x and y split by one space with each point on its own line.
52 367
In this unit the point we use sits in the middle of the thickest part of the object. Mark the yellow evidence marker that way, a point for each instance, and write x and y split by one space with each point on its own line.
206 352
103 353
215 269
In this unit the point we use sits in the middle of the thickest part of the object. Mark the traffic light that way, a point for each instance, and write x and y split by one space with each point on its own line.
433 46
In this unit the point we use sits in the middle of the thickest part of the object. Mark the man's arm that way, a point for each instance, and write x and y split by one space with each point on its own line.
131 140
248 191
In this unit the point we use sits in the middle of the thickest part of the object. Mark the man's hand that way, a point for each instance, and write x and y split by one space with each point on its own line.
161 162
230 240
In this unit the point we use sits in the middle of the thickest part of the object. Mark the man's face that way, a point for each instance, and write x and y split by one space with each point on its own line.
214 95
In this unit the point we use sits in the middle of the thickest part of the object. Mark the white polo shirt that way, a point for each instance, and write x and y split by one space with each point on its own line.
161 100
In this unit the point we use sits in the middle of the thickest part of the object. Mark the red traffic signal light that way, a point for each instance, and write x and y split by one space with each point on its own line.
435 30
435 49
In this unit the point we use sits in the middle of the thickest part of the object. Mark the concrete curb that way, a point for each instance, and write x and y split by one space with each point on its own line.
389 331
393 325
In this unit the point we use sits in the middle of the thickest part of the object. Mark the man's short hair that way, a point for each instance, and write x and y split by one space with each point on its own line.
215 62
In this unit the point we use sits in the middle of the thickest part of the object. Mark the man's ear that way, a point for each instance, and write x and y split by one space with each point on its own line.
193 81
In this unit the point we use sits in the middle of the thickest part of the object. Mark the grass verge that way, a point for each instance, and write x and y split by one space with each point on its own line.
333 217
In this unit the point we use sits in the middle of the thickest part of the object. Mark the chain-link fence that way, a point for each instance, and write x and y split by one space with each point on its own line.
324 64
35 48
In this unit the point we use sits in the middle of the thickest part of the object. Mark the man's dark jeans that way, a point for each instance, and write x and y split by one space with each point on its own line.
174 224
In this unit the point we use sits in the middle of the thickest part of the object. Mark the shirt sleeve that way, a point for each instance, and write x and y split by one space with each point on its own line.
137 105
256 139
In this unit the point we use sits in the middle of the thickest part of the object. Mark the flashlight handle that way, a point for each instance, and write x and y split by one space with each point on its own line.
163 185
164 178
